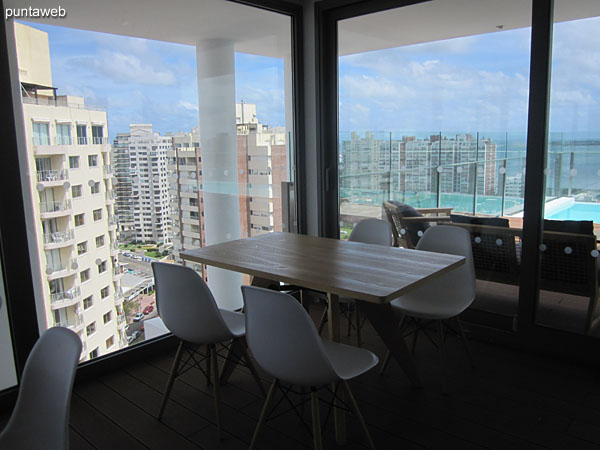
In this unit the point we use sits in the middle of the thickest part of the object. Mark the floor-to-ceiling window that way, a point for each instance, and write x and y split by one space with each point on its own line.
157 141
568 251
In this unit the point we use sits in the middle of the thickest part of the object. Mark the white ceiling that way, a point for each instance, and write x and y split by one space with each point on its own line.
445 19
253 30
261 32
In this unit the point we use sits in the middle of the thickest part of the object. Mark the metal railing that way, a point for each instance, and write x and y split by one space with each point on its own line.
52 267
52 175
59 236
470 173
72 323
99 140
51 207
108 169
60 297
62 103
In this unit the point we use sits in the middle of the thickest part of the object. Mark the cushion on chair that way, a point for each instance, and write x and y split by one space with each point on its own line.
475 220
569 226
404 210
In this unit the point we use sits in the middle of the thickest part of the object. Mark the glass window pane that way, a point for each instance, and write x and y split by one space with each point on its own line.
435 117
569 251
136 175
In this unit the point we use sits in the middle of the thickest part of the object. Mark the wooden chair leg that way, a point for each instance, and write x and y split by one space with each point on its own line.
441 337
171 379
316 419
465 342
246 356
263 414
216 389
385 362
358 327
323 320
358 414
349 324
208 359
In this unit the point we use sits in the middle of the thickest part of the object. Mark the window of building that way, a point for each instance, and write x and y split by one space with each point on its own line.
97 134
63 134
107 317
110 342
88 302
102 267
97 214
79 219
84 275
76 191
93 160
81 134
90 329
99 241
74 162
95 188
94 353
82 248
41 133
104 292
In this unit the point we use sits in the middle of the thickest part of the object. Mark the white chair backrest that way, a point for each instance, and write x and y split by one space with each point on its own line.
458 285
186 305
40 419
284 339
372 231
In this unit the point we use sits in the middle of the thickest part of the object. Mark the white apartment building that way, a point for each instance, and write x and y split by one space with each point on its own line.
69 165
149 183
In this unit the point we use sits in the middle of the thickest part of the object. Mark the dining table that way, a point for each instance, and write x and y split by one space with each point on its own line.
374 275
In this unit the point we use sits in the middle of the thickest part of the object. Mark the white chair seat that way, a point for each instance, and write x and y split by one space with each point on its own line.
349 361
235 322
428 302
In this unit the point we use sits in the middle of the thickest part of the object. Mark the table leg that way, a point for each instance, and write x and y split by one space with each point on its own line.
382 319
263 282
333 323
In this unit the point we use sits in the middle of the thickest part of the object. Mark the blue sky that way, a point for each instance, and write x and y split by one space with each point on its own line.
475 83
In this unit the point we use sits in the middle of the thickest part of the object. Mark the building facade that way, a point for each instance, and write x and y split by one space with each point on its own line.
142 182
262 167
68 155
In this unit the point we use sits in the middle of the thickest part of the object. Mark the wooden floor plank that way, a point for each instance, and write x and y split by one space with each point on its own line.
512 401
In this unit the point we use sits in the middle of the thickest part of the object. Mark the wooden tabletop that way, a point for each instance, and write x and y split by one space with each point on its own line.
367 272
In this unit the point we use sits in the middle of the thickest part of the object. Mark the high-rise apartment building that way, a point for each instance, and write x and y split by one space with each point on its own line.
142 183
68 157
123 182
415 165
262 167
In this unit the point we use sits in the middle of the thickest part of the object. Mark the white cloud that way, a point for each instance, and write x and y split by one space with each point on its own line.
127 68
187 105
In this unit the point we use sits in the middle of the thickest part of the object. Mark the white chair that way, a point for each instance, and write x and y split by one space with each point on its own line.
445 297
40 419
188 309
285 343
368 231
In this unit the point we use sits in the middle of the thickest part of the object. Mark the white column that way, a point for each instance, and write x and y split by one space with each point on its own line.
218 141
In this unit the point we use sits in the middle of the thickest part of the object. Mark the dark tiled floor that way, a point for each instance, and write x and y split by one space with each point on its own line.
511 401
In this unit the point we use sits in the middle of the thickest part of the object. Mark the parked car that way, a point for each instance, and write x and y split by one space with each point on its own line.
138 317
136 334
148 309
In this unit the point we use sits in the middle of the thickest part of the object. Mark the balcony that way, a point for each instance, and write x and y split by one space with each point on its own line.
59 239
112 222
110 196
117 271
99 140
74 323
108 171
62 269
65 298
49 210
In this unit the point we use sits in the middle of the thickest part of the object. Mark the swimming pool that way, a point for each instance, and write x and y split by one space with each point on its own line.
578 211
